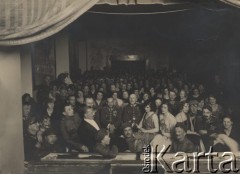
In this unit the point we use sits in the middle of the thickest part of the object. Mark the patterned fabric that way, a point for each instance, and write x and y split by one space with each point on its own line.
148 122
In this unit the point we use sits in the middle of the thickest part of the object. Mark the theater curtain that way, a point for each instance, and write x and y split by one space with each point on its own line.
26 21
235 3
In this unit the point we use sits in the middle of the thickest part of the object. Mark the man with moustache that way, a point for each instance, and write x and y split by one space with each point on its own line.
181 143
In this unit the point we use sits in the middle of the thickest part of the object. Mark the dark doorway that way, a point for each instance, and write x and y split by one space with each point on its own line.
129 66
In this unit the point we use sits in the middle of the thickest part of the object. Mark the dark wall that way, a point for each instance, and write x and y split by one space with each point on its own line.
202 41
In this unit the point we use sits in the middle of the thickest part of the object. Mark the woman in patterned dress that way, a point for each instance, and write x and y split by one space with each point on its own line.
149 125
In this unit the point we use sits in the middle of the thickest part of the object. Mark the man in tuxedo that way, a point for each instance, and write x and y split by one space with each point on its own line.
88 129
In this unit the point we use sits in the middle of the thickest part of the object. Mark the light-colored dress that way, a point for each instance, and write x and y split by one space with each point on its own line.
167 124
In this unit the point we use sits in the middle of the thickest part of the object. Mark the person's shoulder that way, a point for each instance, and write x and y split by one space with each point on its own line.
154 114
161 116
126 107
214 119
199 118
171 116
189 144
64 119
187 141
120 100
179 115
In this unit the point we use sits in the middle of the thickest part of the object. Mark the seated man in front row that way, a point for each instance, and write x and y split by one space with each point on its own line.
69 127
50 143
103 144
88 129
181 143
128 142
32 142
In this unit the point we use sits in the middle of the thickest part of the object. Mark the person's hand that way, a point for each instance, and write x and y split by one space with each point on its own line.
138 126
214 135
203 132
111 128
39 137
192 132
142 130
38 145
137 135
84 148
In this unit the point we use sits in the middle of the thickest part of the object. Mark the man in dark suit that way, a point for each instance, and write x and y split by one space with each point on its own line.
88 129
173 104
99 101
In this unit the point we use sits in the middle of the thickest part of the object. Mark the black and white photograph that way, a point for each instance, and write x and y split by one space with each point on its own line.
119 86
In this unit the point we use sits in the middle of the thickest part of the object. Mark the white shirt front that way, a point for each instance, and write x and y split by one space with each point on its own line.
93 123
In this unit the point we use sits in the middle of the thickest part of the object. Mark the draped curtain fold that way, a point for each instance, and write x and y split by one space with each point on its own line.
26 21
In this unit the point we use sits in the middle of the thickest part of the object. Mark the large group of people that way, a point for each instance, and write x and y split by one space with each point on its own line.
106 113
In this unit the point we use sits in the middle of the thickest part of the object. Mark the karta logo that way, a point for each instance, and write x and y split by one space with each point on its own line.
190 163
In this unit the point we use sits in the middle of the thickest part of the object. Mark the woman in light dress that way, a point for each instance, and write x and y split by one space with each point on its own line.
167 124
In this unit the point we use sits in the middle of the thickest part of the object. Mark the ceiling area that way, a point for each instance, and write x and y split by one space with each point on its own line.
197 22
201 37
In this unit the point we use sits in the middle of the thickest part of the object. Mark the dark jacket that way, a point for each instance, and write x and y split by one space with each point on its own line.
87 134
69 128
100 105
174 108
31 152
110 115
211 125
50 148
129 112
184 146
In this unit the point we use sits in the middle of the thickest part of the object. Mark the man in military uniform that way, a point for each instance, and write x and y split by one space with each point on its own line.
131 112
110 116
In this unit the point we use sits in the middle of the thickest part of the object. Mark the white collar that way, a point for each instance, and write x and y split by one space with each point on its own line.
92 123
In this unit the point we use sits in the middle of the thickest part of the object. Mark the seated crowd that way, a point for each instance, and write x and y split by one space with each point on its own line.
107 114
